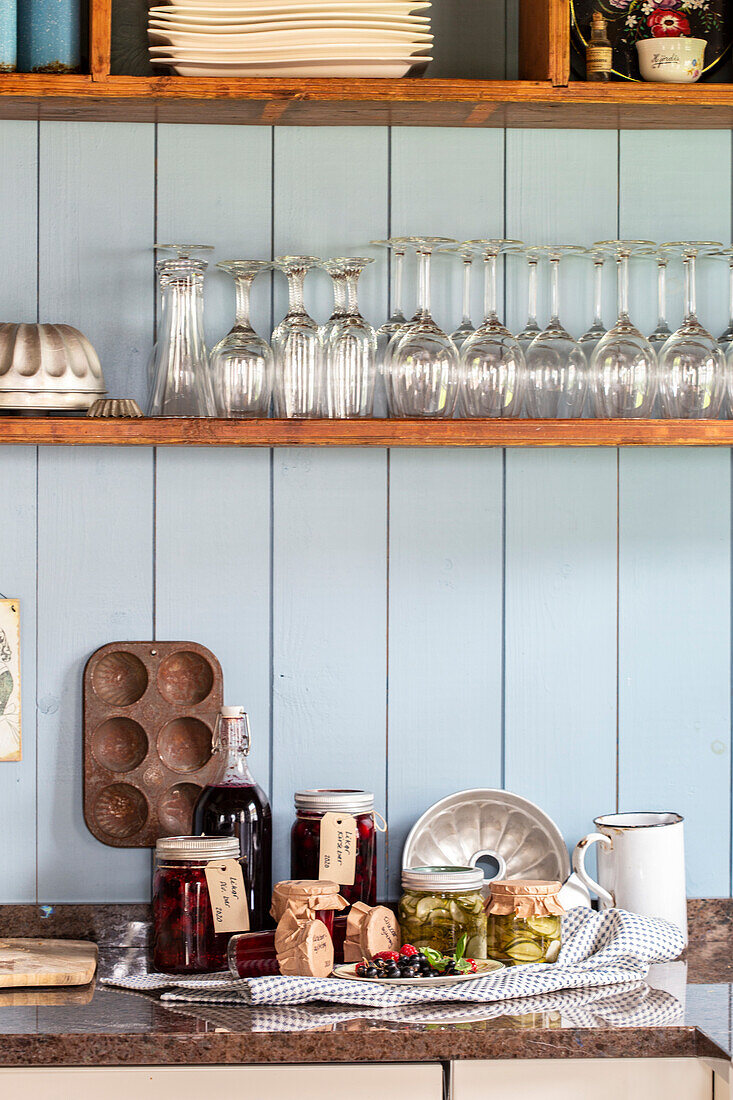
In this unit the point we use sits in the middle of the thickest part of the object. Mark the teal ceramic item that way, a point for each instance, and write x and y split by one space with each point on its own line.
8 36
49 39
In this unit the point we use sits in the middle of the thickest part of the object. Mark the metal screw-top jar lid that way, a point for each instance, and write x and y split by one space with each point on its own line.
322 801
197 847
443 879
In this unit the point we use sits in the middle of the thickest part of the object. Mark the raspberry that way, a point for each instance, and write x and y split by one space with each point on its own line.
388 956
472 964
408 950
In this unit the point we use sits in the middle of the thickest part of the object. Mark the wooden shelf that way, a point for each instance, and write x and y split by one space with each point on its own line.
426 102
71 431
544 97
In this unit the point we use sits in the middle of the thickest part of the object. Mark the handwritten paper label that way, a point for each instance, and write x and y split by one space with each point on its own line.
337 854
9 680
229 909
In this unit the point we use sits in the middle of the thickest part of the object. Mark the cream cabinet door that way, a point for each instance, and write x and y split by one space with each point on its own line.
304 1082
583 1079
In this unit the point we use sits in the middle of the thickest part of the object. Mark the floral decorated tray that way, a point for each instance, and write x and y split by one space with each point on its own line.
631 20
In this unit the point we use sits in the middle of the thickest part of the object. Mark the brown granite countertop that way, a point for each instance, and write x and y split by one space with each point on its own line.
98 1025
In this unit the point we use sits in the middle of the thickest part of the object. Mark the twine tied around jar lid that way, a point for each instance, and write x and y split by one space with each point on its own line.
305 897
525 898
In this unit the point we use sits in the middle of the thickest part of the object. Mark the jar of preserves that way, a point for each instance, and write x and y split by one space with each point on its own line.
184 939
524 921
305 839
439 905
253 954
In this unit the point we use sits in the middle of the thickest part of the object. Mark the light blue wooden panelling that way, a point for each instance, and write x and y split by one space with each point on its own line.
96 221
445 584
213 508
214 187
18 192
688 211
18 581
561 633
19 196
674 695
560 675
445 631
330 509
95 586
447 183
95 506
550 173
674 542
331 200
212 522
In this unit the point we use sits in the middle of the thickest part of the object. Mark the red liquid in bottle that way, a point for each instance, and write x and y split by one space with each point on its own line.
234 805
243 812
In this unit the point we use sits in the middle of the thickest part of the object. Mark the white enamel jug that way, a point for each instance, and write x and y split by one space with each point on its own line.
641 865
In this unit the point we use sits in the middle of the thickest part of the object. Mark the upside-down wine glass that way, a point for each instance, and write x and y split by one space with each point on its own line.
727 335
692 366
557 369
181 382
662 331
492 361
338 283
594 334
466 327
242 363
531 328
623 367
296 342
421 360
396 319
351 351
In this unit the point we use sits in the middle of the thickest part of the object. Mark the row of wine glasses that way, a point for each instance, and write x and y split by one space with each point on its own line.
335 369
307 370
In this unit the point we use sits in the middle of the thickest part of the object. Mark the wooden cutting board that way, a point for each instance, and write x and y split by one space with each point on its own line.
33 962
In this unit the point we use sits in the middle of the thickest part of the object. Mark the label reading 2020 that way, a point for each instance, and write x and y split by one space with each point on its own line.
229 908
337 853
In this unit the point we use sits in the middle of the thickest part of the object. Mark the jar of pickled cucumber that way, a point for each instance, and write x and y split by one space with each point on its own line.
439 905
524 917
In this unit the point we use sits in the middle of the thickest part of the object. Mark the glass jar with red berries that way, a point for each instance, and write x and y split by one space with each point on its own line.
184 939
305 839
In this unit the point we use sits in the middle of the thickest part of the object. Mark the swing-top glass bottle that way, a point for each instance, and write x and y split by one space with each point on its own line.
232 804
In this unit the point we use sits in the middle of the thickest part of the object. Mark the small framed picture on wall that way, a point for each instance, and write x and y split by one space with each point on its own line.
10 744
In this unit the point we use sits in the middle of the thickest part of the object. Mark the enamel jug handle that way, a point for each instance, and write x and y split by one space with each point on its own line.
581 850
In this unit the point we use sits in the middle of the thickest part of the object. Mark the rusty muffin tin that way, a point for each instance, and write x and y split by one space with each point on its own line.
149 713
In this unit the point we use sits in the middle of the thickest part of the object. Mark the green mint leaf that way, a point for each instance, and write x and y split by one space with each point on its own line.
462 966
461 946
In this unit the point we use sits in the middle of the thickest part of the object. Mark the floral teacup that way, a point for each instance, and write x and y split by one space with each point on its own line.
671 60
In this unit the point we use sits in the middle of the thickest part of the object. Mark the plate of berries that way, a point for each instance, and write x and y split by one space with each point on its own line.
426 966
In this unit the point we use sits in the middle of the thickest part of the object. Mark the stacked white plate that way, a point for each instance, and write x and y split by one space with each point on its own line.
291 38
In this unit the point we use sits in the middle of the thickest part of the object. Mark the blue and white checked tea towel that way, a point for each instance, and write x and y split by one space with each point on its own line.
599 949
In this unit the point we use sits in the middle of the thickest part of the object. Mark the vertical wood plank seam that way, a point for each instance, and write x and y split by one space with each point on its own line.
36 617
35 692
730 862
271 732
618 525
502 627
730 696
618 622
387 473
154 516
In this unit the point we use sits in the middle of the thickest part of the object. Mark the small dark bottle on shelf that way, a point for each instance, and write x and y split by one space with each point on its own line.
598 52
234 805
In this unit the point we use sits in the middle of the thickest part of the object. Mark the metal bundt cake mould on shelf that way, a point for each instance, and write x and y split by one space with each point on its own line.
473 826
47 367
